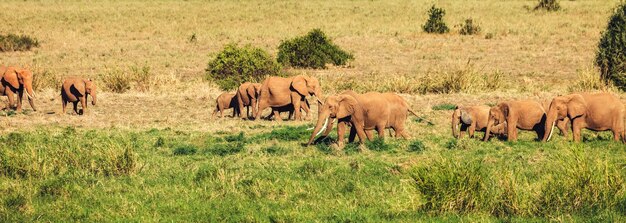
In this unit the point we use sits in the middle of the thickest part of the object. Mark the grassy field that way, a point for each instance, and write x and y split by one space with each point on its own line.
154 153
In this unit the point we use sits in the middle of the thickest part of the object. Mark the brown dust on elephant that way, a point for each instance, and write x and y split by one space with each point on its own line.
523 115
226 101
76 90
16 81
593 111
363 112
277 92
473 118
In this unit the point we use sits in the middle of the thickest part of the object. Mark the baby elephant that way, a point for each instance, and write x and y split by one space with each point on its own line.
471 119
76 90
226 101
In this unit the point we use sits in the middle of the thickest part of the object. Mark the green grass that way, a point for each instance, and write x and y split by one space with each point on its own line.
67 174
444 106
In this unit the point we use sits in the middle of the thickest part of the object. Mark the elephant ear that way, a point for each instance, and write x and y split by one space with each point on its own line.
257 90
466 117
242 91
347 106
11 78
576 106
299 84
78 87
504 107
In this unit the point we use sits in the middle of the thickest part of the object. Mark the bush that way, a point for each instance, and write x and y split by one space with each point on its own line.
120 81
314 50
235 65
13 42
435 23
548 5
469 27
611 58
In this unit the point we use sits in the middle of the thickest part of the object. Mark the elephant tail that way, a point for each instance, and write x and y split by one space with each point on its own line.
413 112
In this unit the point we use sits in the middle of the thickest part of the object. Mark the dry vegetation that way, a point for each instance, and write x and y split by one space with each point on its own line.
149 59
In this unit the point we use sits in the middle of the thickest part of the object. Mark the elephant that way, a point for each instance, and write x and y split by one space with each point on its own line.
364 112
593 111
279 91
523 114
17 81
560 124
247 94
226 101
76 90
472 119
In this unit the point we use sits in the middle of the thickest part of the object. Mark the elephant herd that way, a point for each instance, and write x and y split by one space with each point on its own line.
17 81
370 111
593 111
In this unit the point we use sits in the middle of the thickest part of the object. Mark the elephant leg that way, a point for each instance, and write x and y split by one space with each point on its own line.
462 130
295 100
369 134
352 134
253 104
306 109
512 131
10 96
381 131
576 129
562 125
616 135
20 94
262 106
472 129
341 132
64 101
75 107
83 103
277 116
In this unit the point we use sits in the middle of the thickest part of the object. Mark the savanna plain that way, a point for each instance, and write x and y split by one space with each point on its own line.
154 153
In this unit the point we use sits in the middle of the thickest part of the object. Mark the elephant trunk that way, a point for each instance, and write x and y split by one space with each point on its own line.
549 125
322 122
28 86
455 123
93 97
488 130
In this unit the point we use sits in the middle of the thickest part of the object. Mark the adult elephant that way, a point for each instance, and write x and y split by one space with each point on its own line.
278 92
76 90
247 94
524 115
364 112
593 111
17 81
472 119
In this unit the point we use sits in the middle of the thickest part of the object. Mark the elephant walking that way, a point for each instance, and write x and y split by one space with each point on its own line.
524 115
472 119
226 101
277 92
76 90
17 81
247 95
593 111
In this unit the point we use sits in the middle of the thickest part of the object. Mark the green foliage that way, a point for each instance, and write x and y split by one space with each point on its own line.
12 42
286 133
235 65
185 150
611 56
378 144
435 23
548 5
314 50
444 106
469 27
417 146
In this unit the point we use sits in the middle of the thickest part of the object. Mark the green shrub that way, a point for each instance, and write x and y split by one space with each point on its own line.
12 42
548 5
611 58
235 65
469 27
435 23
185 150
417 146
314 50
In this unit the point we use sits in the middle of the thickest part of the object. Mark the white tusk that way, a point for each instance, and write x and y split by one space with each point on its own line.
309 129
551 131
323 128
29 96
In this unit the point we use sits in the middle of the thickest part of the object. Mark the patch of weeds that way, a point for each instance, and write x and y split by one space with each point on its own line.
444 106
205 172
55 187
469 27
286 133
186 149
14 139
276 150
435 23
378 144
451 144
12 42
417 146
235 138
351 148
324 145
313 167
16 201
421 119
548 5
160 142
224 149
460 144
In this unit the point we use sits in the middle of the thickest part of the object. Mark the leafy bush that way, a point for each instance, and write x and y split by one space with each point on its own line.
611 58
469 27
12 42
314 50
548 5
235 65
435 23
